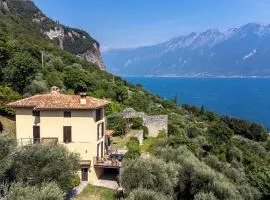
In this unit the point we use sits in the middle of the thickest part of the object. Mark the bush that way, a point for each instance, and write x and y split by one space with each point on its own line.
39 163
145 132
119 125
133 147
137 123
144 194
234 154
205 196
47 191
75 181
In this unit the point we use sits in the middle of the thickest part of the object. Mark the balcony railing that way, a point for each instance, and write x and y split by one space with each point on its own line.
44 141
110 161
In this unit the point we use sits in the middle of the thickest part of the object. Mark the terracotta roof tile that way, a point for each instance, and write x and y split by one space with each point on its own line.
109 132
55 101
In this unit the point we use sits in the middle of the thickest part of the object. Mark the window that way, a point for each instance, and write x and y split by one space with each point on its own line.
36 113
67 113
100 147
67 134
100 130
99 114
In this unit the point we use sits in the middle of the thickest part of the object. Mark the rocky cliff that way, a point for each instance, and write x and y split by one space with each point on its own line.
75 41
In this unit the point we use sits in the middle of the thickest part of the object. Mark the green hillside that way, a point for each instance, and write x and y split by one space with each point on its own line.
206 156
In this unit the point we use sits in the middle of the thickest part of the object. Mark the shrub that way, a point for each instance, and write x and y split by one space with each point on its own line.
145 132
205 196
193 132
144 194
137 123
234 154
133 147
119 125
75 181
39 163
47 191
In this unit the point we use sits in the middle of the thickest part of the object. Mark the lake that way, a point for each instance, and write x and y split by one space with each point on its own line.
247 98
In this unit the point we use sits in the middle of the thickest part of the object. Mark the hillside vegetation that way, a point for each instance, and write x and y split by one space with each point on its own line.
205 156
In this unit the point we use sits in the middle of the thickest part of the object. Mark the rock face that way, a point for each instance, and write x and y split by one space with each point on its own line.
75 41
93 55
3 4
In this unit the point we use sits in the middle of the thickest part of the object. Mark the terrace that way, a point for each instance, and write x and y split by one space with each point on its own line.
113 160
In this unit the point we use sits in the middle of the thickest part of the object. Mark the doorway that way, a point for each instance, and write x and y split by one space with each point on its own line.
84 174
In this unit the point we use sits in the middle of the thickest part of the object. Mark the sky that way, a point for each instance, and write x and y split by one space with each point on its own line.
134 23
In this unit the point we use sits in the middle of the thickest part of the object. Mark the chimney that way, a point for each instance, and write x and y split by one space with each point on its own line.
55 90
82 98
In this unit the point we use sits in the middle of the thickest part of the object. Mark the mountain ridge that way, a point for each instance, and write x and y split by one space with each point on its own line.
73 40
241 51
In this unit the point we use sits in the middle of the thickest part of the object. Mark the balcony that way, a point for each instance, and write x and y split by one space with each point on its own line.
114 160
43 141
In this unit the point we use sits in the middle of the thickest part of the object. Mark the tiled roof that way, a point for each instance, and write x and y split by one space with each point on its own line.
109 132
57 101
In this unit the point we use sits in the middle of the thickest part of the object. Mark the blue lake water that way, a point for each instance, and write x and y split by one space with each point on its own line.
247 98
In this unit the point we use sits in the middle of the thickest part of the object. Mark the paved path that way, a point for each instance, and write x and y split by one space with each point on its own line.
107 181
77 190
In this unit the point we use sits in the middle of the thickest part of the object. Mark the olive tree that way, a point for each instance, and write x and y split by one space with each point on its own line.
36 164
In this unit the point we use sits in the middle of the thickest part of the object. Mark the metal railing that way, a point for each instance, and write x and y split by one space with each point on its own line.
44 141
107 162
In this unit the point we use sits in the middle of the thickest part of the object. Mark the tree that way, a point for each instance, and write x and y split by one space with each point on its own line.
7 145
7 95
39 163
20 70
144 194
47 191
148 173
119 125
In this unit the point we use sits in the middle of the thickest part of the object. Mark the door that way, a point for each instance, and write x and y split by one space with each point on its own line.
36 134
84 174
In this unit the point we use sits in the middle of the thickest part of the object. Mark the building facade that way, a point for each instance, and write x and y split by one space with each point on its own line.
75 121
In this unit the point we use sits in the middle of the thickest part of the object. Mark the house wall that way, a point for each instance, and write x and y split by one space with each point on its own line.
83 131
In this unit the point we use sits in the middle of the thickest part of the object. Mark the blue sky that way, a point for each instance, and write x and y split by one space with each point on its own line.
133 23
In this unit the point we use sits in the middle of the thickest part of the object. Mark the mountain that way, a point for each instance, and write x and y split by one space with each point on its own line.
243 51
75 41
207 156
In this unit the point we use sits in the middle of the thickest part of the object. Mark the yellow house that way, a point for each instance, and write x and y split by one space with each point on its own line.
76 121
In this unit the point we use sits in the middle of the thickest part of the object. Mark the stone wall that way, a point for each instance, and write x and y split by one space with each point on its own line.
154 123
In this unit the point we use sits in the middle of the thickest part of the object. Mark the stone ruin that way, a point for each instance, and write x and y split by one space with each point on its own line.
154 123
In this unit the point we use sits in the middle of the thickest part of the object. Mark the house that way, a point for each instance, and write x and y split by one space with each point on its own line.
75 121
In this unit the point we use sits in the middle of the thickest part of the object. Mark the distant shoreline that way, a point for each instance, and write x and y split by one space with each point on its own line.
170 76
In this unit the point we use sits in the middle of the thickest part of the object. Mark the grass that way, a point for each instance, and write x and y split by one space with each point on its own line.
95 193
149 144
9 125
120 142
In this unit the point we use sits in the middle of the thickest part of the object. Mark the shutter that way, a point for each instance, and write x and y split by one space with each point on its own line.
36 134
67 134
